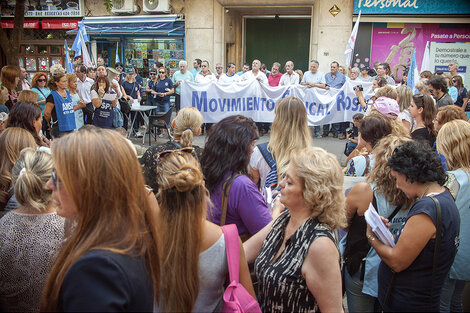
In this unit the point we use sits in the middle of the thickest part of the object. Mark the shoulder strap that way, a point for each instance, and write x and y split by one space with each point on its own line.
225 193
41 92
437 244
366 171
232 249
395 212
268 157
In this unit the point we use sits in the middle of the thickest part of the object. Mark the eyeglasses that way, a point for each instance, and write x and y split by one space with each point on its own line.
41 80
55 181
454 81
165 154
153 74
162 72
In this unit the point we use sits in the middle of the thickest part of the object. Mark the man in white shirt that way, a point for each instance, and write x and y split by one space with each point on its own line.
84 85
313 77
255 73
290 77
230 76
218 70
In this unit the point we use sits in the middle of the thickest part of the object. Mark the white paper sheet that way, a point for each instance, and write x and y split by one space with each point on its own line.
136 103
109 96
378 227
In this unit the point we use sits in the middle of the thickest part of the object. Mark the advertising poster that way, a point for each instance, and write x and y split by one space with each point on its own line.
442 53
394 43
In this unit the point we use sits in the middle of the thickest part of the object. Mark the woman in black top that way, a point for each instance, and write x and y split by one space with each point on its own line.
423 110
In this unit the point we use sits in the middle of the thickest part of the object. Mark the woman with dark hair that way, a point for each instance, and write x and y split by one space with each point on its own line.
103 114
28 116
10 76
372 128
412 273
423 110
59 112
163 87
457 82
235 198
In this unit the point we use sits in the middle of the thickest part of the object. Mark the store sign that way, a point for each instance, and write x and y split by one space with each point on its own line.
28 23
411 7
51 8
60 23
441 54
395 45
253 99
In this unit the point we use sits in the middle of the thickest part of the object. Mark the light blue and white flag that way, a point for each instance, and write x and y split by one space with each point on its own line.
77 43
69 65
117 53
413 74
351 43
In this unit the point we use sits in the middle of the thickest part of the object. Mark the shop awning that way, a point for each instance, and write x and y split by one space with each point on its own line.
60 23
28 23
158 25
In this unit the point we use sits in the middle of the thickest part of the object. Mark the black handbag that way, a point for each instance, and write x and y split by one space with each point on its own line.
125 107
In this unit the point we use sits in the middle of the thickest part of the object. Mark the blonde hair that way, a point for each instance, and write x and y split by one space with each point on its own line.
381 174
57 69
28 96
421 85
117 217
453 142
12 141
188 121
322 179
30 175
386 91
70 77
182 201
405 96
289 132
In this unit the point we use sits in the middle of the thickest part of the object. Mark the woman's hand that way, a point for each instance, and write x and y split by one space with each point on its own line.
81 104
114 103
101 92
162 94
45 142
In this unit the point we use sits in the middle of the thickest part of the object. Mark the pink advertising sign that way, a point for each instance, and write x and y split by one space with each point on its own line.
395 45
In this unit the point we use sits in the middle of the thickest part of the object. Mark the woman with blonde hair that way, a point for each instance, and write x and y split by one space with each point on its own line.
12 141
109 261
10 76
192 249
78 103
405 96
28 96
186 125
31 235
289 132
453 142
291 275
361 262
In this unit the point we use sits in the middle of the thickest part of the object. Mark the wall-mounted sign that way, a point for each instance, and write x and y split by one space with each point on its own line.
49 8
379 7
60 23
28 23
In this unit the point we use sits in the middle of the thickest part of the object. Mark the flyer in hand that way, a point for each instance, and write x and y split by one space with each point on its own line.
378 227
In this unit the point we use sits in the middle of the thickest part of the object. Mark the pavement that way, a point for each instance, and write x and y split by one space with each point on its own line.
330 144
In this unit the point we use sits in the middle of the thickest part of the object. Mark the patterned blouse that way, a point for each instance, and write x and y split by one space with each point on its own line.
281 286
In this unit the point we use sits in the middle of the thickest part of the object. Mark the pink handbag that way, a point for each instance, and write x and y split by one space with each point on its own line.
236 297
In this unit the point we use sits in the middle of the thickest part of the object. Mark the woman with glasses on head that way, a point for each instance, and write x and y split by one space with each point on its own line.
31 235
457 82
164 88
39 86
423 110
193 261
235 198
411 274
110 260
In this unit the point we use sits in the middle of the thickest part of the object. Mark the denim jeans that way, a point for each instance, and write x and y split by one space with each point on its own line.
316 130
335 128
357 301
163 107
350 147
451 295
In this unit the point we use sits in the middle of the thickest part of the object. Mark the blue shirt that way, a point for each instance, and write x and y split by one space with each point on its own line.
64 111
317 78
43 94
163 86
194 72
335 82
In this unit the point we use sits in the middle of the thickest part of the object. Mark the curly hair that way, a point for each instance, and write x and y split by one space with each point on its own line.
387 91
34 80
449 113
381 174
453 142
418 163
322 190
438 83
228 148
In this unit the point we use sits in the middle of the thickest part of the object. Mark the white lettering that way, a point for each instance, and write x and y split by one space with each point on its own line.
388 3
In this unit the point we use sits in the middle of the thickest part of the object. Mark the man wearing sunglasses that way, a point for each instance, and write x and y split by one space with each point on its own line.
178 77
439 90
151 88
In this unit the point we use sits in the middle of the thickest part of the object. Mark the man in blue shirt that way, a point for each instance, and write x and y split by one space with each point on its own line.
334 79
197 67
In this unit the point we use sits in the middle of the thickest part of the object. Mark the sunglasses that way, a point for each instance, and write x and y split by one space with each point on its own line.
55 181
153 74
41 80
165 154
162 72
454 81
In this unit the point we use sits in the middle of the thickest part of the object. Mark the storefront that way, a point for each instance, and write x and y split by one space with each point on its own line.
137 40
391 31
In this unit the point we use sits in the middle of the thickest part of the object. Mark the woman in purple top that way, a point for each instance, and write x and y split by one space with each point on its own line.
225 157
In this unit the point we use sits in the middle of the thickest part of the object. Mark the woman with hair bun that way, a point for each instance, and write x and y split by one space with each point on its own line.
186 125
192 249
31 235
412 273
453 142
297 259
110 261
12 141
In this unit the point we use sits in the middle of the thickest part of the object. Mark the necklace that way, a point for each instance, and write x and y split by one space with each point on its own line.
426 190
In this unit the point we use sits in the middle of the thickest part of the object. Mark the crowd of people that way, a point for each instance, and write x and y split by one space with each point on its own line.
87 225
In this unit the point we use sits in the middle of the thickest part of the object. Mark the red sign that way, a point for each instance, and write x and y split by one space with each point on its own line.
28 23
60 23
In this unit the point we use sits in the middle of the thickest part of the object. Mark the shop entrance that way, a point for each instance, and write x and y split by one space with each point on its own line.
278 40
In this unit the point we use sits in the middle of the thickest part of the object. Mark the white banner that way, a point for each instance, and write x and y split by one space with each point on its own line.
256 100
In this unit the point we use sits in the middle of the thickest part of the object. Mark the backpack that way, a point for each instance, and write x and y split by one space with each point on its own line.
236 297
118 118
271 179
